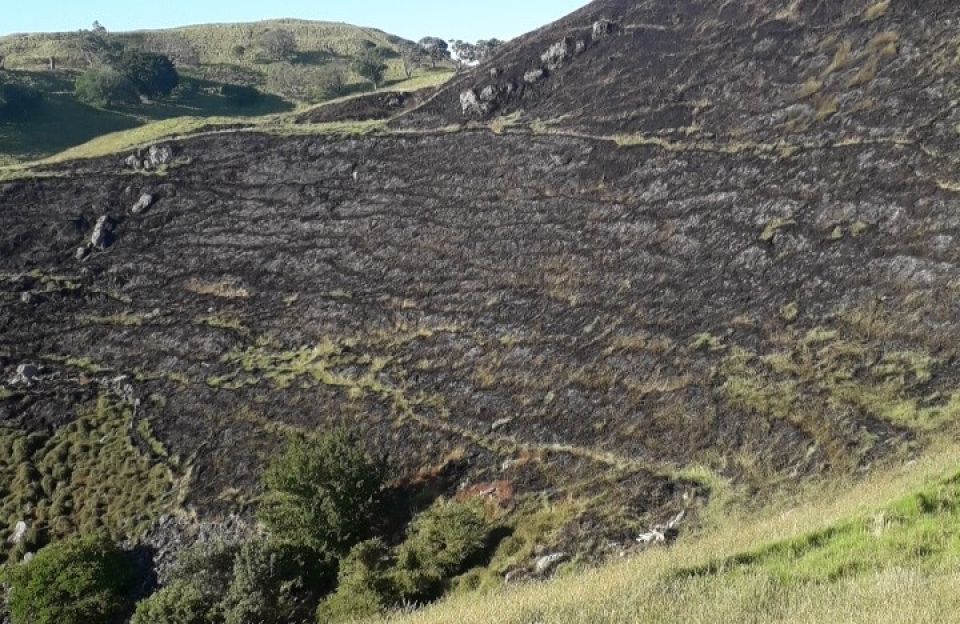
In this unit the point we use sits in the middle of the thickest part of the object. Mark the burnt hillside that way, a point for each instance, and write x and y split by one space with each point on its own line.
714 234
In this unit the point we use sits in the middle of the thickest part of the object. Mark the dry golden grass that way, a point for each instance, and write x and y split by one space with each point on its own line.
648 588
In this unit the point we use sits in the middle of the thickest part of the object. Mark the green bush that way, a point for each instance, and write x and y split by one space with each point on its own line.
272 584
106 87
440 542
80 581
364 585
178 603
151 74
257 581
322 494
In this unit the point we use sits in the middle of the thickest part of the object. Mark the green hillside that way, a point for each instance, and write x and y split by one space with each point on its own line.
207 58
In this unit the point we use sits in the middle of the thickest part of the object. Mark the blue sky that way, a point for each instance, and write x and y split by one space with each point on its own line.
412 19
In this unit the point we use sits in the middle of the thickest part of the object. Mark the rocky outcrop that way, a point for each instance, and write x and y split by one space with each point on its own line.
534 76
102 235
548 563
145 201
26 375
150 159
19 533
559 53
604 28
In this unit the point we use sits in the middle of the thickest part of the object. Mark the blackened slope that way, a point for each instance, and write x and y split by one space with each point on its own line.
797 72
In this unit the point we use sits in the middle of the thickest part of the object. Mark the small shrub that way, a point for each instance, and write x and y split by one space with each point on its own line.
80 581
364 585
370 66
105 87
322 494
178 603
440 543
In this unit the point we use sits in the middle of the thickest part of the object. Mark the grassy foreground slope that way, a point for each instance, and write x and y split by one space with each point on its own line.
886 550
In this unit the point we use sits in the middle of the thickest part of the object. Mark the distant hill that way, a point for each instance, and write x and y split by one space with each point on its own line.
231 53
207 58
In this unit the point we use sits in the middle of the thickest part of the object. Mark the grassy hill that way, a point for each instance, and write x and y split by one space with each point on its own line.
208 57
886 550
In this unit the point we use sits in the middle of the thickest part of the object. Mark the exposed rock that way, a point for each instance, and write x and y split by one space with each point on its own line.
26 298
145 201
494 72
604 28
557 54
548 563
652 536
27 375
82 252
470 104
134 162
102 236
159 155
663 533
171 535
19 533
516 576
534 75
489 95
154 157
580 47
473 105
28 557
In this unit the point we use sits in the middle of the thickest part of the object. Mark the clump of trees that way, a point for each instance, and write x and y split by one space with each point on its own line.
72 582
119 76
325 555
105 87
437 50
467 53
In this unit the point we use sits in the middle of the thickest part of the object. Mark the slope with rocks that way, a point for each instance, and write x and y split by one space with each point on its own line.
616 300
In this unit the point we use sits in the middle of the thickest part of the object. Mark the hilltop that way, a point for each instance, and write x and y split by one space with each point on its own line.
657 265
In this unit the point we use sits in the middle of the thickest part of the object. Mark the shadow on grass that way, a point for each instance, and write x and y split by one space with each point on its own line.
62 122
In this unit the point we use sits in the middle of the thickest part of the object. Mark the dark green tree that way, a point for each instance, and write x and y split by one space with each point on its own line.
440 541
370 67
437 49
322 494
152 75
106 87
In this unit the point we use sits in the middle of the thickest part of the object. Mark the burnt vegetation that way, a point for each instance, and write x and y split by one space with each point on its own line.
647 254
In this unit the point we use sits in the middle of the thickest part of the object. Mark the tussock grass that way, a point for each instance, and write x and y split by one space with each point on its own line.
88 477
